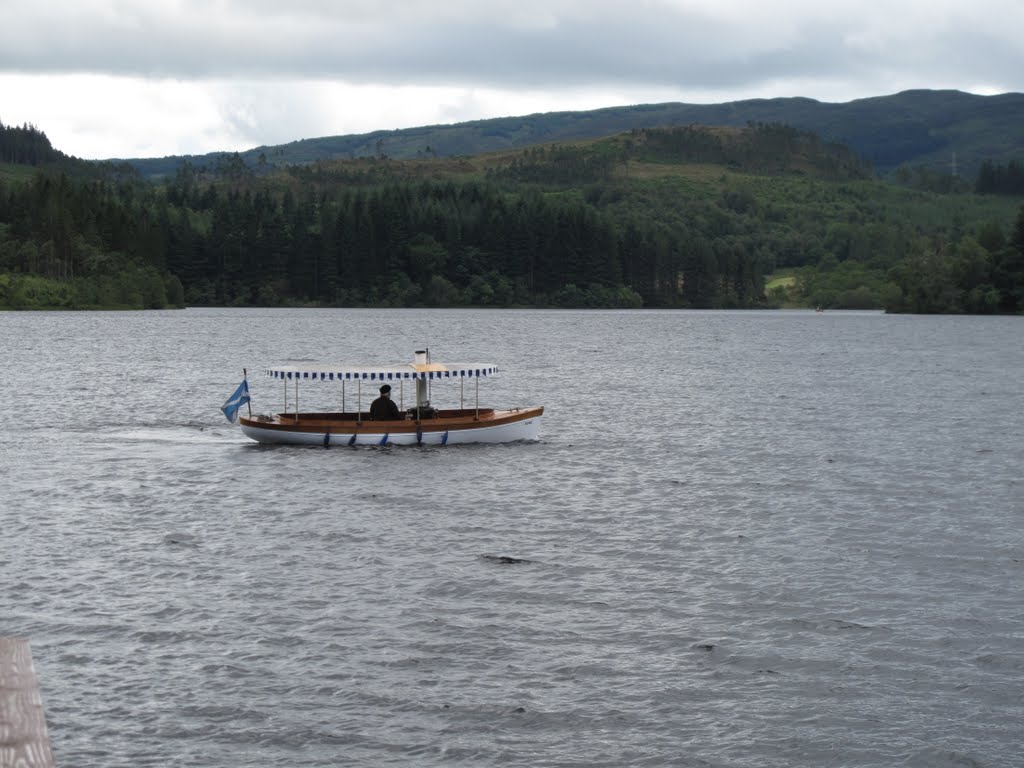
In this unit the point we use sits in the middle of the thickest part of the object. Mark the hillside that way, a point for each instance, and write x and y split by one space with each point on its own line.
919 127
670 217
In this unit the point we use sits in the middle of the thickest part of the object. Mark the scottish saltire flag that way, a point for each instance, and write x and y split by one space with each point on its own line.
236 401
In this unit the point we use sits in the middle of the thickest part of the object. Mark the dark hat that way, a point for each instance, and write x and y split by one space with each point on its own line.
385 389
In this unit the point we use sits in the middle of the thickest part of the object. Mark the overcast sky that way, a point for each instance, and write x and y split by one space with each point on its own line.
147 78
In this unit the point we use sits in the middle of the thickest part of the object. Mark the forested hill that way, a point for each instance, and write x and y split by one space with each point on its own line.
934 129
27 145
763 215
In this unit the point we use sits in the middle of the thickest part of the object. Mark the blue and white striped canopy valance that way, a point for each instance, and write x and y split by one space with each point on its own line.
386 373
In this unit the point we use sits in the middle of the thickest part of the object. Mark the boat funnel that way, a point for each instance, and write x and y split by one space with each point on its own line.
422 390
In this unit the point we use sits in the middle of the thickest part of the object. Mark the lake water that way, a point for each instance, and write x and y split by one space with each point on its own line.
751 539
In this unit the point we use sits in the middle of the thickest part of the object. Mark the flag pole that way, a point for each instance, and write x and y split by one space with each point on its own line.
245 376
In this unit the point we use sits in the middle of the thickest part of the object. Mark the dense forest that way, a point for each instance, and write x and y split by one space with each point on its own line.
673 217
26 145
996 179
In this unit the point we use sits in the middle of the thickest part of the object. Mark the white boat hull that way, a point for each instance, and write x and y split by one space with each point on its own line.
524 430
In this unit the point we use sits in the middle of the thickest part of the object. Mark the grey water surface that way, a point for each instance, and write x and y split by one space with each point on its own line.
745 539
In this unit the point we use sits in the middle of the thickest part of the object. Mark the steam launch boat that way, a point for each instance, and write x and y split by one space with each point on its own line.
385 421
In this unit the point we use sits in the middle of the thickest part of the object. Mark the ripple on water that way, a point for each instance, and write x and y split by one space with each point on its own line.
746 539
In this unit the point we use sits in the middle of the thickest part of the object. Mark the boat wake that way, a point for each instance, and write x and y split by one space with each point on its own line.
189 434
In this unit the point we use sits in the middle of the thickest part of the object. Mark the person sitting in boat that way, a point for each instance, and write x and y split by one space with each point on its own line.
384 408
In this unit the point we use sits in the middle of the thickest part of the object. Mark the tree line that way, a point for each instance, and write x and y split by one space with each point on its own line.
555 226
996 179
980 274
435 244
25 145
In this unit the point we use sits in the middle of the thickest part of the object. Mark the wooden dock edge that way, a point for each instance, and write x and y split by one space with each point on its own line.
24 741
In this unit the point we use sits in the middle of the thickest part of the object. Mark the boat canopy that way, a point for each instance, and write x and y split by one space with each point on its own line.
384 373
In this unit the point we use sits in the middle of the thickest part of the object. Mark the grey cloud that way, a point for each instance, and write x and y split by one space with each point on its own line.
549 45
